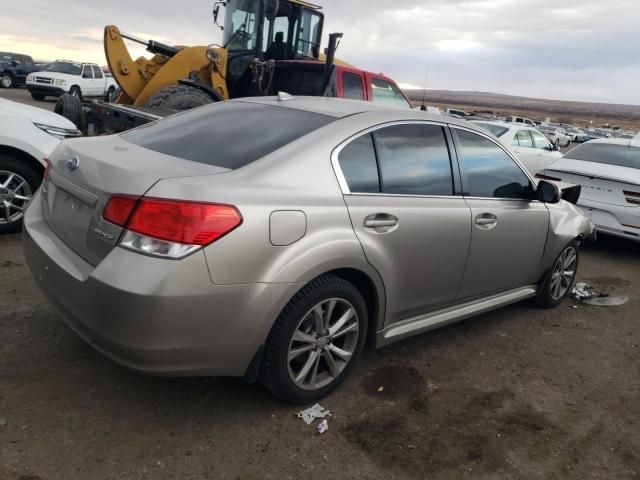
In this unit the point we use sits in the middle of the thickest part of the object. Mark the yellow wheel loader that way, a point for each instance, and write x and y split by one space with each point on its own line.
257 36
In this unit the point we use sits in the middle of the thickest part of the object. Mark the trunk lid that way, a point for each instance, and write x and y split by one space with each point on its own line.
600 182
84 173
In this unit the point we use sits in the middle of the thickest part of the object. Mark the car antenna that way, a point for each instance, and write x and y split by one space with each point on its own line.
423 107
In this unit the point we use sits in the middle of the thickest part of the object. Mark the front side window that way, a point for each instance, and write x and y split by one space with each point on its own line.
358 164
387 93
524 139
489 171
540 141
352 86
414 160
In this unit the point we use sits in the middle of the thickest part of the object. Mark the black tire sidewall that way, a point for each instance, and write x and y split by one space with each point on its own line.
32 177
325 287
545 299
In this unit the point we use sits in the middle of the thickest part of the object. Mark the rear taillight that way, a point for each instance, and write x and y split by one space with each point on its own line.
632 197
547 177
170 228
119 208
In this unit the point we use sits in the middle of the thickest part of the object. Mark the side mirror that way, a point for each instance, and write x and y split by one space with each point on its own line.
548 192
554 147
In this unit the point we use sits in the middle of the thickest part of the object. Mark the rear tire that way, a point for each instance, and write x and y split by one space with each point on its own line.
179 97
76 92
70 107
37 96
327 350
18 183
561 278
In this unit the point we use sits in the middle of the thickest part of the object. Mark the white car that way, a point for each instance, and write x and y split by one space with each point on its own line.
523 120
532 148
75 78
556 135
608 170
28 135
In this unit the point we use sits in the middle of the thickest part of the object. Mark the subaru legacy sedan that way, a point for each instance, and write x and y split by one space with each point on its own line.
269 238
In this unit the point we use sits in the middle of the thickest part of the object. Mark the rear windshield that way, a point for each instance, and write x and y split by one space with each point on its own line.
620 155
227 134
497 130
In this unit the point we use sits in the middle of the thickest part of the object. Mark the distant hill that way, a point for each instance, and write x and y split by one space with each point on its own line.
629 114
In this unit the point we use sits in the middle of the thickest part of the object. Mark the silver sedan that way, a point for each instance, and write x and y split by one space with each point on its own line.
269 238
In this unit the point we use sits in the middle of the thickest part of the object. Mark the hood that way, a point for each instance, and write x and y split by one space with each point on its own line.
36 114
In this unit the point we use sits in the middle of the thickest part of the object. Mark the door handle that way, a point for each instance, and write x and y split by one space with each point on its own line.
486 221
381 222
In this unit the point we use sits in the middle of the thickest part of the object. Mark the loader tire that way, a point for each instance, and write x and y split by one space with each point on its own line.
70 107
179 97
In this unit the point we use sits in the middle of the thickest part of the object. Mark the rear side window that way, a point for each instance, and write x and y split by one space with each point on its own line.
489 171
352 86
358 164
414 160
227 134
610 154
524 139
97 73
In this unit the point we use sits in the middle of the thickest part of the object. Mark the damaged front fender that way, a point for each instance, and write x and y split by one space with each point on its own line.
566 223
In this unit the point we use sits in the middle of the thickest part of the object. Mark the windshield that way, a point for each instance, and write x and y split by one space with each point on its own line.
65 67
241 21
497 130
620 155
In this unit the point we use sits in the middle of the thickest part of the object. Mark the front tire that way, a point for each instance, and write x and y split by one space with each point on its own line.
561 278
315 341
76 92
18 183
37 96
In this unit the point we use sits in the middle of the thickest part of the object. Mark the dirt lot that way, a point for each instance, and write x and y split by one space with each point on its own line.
517 393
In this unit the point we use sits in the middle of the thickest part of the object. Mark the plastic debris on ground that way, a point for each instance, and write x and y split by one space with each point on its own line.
313 412
323 426
589 295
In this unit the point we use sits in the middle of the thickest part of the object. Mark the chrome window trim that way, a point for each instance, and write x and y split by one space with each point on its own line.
342 181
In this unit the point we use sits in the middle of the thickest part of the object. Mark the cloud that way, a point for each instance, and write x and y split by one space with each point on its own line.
574 49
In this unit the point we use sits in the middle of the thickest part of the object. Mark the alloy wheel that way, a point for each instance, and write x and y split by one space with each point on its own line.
564 272
15 194
6 81
323 343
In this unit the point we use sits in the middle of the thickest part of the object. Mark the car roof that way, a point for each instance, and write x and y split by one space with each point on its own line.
339 108
509 125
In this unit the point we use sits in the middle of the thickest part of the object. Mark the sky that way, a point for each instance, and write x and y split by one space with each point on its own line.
584 50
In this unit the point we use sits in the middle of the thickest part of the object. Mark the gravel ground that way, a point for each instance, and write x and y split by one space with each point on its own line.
517 393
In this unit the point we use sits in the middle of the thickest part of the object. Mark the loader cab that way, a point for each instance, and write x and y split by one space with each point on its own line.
270 30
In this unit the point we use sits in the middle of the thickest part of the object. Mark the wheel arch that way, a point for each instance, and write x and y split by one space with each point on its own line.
30 160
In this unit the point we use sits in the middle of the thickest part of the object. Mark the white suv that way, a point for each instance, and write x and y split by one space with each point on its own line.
77 79
27 137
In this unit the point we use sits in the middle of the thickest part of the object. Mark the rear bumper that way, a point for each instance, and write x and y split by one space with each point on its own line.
607 219
45 90
154 316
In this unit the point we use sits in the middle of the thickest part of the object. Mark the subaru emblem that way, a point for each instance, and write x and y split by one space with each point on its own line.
73 163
